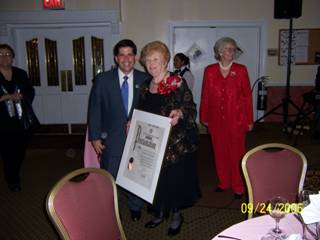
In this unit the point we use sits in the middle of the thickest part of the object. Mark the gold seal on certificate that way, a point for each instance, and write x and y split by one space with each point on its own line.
143 154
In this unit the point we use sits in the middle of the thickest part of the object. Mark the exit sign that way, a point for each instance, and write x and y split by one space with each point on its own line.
53 4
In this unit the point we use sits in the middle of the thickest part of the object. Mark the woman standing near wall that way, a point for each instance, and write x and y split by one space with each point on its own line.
14 86
182 67
226 108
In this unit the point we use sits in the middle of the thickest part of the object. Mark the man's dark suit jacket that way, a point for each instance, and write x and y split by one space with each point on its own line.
106 113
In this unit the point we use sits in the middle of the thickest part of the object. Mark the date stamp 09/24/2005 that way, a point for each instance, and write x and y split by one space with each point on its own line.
265 208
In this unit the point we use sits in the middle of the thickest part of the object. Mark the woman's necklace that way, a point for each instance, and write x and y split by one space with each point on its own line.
225 67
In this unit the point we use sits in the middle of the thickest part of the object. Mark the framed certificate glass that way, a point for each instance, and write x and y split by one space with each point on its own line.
143 154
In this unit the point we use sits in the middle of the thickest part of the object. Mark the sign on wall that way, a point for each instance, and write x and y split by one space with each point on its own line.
305 46
53 4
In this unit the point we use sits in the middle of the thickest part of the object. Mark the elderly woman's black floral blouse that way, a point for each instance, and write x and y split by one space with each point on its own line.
184 137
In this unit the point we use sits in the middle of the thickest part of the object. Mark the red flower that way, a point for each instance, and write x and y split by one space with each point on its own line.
170 84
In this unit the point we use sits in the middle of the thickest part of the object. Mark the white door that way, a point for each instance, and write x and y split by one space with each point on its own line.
66 100
189 39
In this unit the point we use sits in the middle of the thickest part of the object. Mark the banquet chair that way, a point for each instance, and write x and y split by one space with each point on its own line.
272 170
84 205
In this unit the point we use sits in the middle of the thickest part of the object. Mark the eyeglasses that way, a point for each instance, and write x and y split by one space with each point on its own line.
5 55
229 49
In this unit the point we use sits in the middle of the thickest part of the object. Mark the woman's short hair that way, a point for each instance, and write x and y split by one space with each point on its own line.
183 58
8 47
155 46
220 44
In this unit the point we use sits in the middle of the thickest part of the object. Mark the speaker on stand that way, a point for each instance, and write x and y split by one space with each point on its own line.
286 9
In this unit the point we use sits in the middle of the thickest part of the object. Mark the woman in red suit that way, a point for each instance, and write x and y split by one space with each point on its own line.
226 108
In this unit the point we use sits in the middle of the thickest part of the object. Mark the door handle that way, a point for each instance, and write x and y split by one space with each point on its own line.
66 81
63 81
69 80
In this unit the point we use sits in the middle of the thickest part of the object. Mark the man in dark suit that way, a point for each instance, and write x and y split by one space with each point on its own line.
316 133
113 97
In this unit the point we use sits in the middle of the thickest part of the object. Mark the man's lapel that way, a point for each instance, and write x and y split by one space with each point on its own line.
136 88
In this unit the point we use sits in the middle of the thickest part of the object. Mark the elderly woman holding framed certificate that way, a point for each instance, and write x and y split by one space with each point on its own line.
168 95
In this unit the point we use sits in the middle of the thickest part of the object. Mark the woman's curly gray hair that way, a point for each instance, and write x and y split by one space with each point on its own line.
220 44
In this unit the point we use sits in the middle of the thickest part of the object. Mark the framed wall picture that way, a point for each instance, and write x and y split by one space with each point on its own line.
143 154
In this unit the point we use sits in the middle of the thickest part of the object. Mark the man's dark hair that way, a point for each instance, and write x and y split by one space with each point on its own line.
124 43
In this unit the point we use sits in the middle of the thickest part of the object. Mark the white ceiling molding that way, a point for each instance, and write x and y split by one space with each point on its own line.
56 17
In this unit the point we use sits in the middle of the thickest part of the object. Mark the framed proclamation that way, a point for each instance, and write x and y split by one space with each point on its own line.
143 154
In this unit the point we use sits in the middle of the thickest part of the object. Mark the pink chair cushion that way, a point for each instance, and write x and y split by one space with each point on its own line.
86 209
274 173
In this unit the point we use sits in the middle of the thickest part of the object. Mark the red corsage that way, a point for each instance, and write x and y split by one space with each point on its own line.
170 84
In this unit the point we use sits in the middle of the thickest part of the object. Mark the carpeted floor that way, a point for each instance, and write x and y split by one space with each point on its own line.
23 216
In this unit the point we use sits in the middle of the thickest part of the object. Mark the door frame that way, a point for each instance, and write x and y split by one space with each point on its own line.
15 19
44 92
15 27
11 21
260 24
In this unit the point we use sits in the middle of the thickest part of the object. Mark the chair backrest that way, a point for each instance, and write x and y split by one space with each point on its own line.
272 170
84 205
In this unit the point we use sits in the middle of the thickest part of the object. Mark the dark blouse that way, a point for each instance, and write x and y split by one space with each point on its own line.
317 81
184 137
19 81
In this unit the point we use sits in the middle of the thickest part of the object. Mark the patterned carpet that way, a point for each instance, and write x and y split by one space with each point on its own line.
312 181
23 216
199 223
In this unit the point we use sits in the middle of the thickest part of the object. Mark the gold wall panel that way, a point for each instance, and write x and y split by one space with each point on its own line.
52 62
63 79
79 62
69 80
33 61
97 55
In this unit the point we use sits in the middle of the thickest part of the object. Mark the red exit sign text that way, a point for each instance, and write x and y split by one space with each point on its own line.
53 4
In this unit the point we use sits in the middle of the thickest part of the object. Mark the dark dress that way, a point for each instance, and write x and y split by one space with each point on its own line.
178 185
14 138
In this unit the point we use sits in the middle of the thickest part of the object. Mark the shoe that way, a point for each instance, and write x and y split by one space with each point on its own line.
175 231
156 220
15 188
218 189
238 195
135 215
154 223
